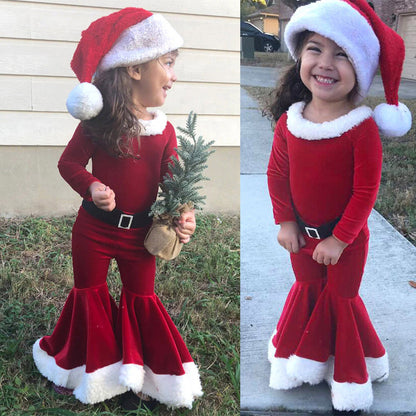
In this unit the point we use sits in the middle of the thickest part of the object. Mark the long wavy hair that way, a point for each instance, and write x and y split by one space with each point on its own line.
116 126
291 89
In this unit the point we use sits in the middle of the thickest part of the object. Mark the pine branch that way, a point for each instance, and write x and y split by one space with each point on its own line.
180 186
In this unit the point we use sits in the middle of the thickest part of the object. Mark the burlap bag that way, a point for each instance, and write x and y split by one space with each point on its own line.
162 240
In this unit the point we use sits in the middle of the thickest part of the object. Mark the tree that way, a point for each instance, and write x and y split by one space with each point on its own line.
294 4
181 185
260 2
179 192
248 7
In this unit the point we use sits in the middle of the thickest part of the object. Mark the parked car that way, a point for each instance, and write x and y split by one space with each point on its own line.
263 42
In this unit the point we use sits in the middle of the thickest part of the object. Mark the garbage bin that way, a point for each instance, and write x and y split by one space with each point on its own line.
247 47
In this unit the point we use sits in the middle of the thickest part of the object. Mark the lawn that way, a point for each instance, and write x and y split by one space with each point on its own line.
200 290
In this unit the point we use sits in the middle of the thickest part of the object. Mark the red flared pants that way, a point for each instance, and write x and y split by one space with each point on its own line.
101 350
324 331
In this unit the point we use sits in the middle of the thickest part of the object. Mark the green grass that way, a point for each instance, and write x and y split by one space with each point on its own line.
397 195
200 290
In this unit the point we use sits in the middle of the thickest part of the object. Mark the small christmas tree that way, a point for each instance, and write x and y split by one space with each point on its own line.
179 192
180 187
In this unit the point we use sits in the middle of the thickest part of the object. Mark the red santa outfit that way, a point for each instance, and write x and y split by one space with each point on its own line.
97 349
329 173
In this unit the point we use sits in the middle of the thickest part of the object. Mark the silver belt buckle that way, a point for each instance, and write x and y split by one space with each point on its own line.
312 233
130 218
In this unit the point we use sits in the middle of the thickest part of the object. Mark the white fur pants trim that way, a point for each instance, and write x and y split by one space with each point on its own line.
171 390
314 372
378 368
117 378
174 391
279 377
89 388
351 396
287 373
309 371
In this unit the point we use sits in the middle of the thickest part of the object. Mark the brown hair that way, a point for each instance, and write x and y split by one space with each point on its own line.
291 88
116 126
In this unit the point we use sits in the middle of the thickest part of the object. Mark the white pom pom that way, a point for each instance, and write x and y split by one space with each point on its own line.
393 121
84 101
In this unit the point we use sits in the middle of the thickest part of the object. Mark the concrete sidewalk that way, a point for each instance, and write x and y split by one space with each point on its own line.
266 277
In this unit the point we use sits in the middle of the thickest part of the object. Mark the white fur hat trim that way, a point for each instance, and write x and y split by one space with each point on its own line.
143 42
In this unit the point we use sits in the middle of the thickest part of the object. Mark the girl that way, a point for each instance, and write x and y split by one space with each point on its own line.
99 350
323 175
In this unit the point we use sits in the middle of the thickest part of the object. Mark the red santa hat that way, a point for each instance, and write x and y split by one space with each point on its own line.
128 37
355 27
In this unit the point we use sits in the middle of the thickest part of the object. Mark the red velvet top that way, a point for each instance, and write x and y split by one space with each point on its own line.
135 182
325 170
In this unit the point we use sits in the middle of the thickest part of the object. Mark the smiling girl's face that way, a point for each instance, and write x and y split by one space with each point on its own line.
326 70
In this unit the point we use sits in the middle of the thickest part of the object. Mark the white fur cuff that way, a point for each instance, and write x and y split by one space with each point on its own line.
351 396
89 388
112 380
279 377
378 368
309 371
174 391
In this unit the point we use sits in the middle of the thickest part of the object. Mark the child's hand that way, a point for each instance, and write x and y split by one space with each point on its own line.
102 196
329 251
290 237
186 225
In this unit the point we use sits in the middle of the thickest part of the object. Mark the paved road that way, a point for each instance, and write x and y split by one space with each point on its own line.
266 277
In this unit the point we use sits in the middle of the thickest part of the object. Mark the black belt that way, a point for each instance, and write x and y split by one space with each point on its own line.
117 217
319 233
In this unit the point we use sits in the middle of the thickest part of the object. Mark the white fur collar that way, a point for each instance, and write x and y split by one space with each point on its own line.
154 126
305 129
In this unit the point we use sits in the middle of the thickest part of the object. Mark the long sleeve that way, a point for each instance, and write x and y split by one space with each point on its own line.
278 176
134 180
366 180
168 152
73 162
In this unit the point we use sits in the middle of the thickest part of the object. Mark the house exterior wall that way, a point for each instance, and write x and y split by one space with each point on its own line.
271 25
257 21
385 9
405 6
389 10
406 27
37 41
